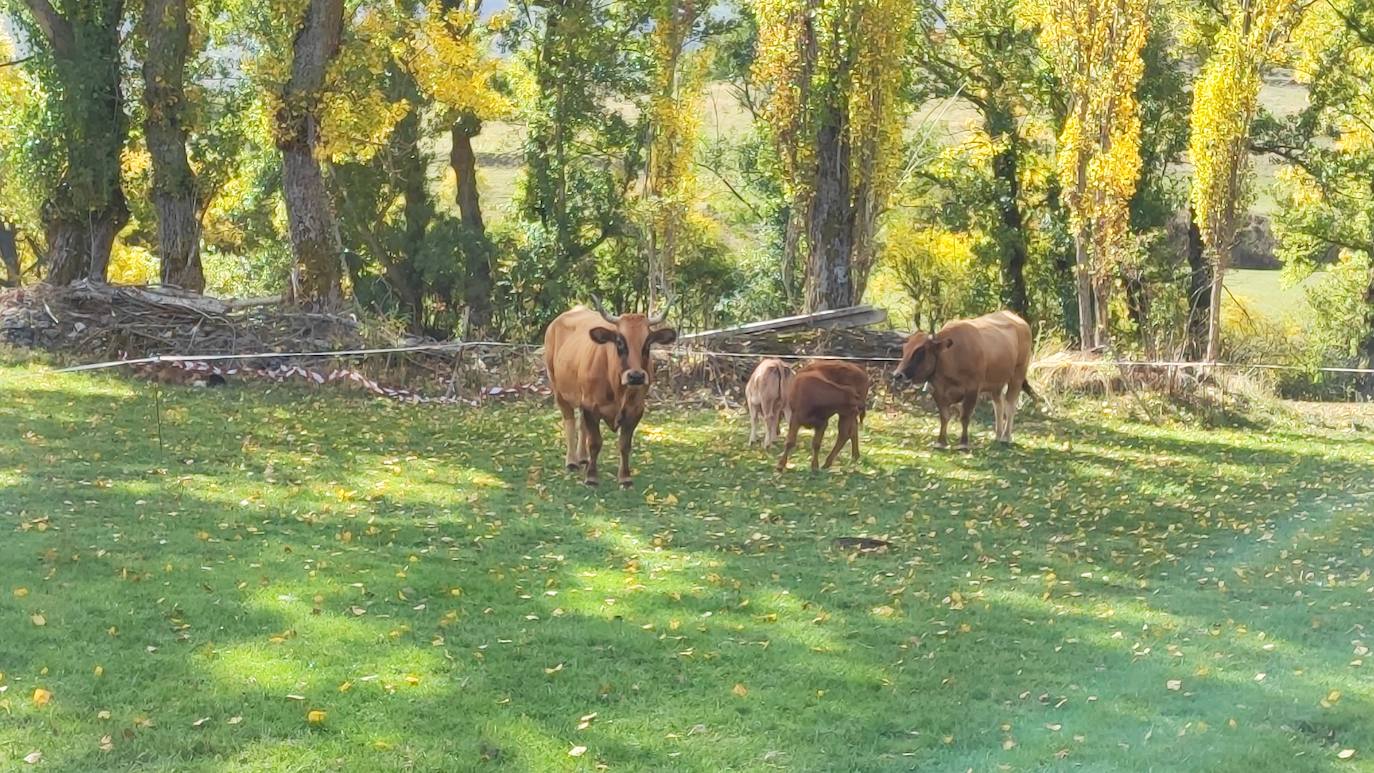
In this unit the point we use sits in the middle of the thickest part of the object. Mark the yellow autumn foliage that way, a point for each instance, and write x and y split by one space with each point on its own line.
1225 100
1096 45
857 44
450 63
936 268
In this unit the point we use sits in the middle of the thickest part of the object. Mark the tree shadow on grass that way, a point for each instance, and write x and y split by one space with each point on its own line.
843 663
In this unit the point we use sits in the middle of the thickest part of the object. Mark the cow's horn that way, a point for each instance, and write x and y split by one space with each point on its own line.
611 318
662 316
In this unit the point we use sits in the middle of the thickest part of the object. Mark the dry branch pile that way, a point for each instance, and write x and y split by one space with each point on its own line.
88 322
106 322
725 373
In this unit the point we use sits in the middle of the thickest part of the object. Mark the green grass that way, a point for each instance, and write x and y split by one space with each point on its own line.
1263 292
433 580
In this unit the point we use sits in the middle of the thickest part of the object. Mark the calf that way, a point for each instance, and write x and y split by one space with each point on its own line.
766 396
819 391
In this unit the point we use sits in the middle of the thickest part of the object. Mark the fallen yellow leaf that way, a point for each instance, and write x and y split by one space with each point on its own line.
740 690
41 697
316 717
39 619
1174 684
1345 754
20 593
577 751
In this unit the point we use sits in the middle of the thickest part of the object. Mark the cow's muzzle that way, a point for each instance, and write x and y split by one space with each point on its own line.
636 378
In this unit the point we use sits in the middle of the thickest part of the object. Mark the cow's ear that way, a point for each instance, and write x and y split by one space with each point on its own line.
945 343
664 336
603 335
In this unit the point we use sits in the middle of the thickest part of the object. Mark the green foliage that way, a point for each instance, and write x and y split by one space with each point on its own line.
938 271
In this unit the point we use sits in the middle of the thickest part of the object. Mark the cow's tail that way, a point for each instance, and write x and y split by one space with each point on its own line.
782 379
1038 398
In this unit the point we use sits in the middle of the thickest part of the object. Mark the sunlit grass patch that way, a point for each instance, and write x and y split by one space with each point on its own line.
1105 594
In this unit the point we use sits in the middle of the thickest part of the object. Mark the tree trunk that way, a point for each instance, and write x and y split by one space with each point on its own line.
418 207
1063 251
1367 346
1087 305
464 162
1221 258
830 230
85 212
477 290
9 254
791 253
1138 305
1011 239
167 32
314 231
1199 282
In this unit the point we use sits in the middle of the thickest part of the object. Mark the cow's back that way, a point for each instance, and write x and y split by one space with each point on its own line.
987 351
844 373
768 383
577 366
822 389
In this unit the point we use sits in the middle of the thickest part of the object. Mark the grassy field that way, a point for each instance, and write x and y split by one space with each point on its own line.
1263 292
1106 595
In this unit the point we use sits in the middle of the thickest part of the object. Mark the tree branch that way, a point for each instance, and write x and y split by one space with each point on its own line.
54 26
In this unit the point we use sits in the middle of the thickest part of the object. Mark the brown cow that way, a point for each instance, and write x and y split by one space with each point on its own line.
819 391
766 396
599 363
967 358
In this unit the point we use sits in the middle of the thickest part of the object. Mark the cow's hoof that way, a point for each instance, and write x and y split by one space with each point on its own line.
627 483
962 448
940 446
574 466
593 482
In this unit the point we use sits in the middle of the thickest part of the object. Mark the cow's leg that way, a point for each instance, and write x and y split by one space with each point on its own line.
777 422
998 412
789 444
816 444
843 427
854 438
943 440
753 421
624 442
569 432
1013 397
966 413
591 436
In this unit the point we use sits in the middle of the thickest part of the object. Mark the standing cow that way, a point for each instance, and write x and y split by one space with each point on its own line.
819 391
967 358
766 396
599 363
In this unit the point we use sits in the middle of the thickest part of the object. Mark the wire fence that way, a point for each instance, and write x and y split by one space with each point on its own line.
485 370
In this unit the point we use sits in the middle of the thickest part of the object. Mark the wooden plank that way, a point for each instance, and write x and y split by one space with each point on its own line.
853 316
